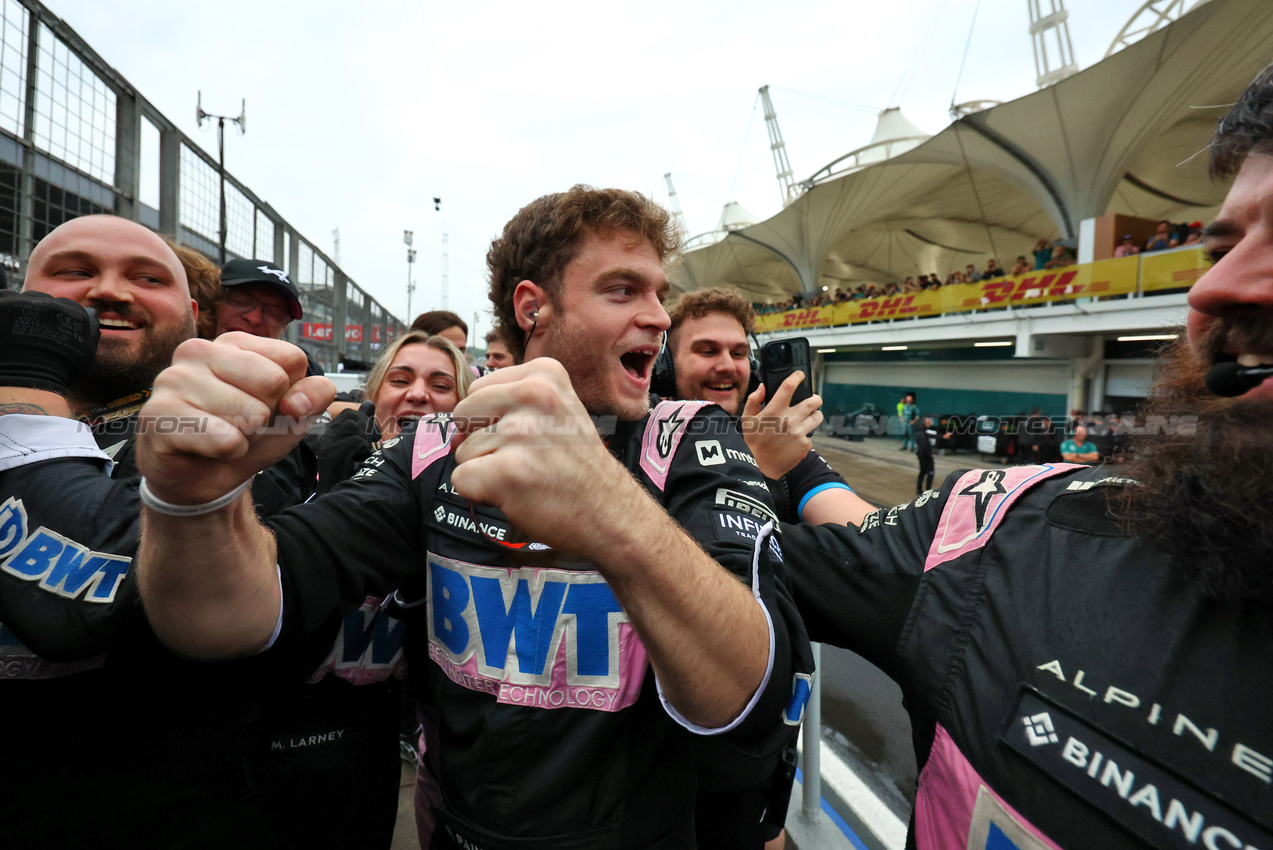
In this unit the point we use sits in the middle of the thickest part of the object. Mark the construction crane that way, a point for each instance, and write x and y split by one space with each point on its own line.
781 164
1050 34
675 204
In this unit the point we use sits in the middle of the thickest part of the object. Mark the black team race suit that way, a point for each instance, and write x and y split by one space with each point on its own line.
1067 685
742 802
553 733
158 752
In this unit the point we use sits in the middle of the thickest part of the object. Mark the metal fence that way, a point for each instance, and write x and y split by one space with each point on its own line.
77 138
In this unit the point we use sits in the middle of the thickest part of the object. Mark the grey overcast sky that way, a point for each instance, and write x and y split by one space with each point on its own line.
359 113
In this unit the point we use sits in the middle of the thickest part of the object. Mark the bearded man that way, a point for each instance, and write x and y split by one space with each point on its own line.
1085 656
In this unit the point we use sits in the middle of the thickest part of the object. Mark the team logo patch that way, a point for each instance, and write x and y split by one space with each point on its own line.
747 504
667 432
742 528
1039 729
367 649
983 490
57 563
536 637
1160 807
709 452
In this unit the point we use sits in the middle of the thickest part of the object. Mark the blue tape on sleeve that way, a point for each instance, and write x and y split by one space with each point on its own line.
830 485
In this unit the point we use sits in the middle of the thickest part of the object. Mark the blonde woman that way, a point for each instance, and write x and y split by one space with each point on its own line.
418 374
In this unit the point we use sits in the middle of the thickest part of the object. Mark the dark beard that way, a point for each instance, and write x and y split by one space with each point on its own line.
1207 494
113 375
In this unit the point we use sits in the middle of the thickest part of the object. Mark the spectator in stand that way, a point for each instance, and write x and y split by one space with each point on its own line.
1061 257
1127 248
954 278
859 292
1021 267
892 289
992 269
1161 240
1194 237
1042 254
971 273
1080 449
445 324
497 354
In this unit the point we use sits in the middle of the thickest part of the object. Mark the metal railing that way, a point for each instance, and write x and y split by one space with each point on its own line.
77 138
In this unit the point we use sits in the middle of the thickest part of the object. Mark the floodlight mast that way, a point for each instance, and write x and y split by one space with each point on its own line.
675 204
241 120
781 164
445 240
408 238
1149 18
1049 26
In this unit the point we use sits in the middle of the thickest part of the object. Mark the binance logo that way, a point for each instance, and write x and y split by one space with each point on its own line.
1039 729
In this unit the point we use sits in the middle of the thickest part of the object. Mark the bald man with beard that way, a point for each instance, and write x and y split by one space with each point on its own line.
107 740
1085 654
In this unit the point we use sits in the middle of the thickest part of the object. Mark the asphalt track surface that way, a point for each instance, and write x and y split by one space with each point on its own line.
862 716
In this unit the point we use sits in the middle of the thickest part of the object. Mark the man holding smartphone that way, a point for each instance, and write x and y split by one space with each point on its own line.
711 361
742 801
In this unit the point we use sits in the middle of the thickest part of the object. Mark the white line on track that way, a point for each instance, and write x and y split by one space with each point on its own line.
870 809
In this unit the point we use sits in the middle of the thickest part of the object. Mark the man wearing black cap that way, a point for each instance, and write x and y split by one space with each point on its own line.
258 299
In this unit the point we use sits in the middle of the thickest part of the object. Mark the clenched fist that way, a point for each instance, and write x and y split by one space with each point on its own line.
223 411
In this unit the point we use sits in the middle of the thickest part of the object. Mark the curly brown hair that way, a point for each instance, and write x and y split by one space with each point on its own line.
205 286
1246 129
544 237
704 302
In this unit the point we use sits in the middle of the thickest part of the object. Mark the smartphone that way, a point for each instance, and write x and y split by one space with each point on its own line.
781 357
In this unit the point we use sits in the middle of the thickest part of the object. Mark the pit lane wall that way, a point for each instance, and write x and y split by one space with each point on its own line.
1142 274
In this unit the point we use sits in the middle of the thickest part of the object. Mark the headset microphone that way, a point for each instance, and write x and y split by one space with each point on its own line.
1230 379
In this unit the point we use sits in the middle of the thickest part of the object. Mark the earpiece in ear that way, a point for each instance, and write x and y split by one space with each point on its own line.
533 315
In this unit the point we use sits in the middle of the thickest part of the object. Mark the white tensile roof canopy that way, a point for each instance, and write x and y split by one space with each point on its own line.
1126 135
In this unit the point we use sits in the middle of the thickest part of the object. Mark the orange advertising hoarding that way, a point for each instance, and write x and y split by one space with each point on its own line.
1171 270
1103 278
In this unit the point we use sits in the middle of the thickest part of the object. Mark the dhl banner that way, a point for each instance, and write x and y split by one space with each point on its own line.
1102 278
1171 270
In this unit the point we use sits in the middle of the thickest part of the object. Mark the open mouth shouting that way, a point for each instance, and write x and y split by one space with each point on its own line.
638 363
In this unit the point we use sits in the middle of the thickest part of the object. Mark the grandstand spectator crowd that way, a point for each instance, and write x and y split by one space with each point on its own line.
1045 256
